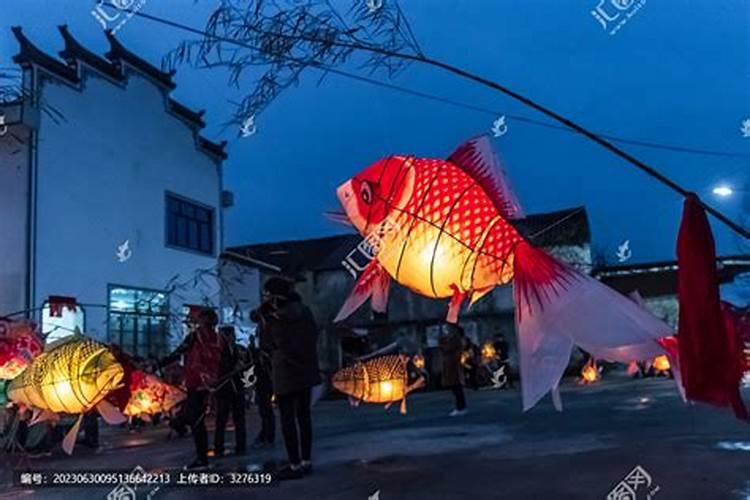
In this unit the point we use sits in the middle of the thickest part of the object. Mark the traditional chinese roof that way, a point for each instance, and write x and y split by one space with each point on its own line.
111 66
564 228
655 279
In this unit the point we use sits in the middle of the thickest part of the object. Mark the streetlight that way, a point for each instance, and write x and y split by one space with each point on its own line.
723 191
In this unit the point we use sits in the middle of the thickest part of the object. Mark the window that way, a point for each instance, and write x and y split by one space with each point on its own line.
138 320
189 225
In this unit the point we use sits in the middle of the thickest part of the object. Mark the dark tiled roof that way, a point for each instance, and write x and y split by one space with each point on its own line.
75 52
655 279
29 54
319 254
117 52
216 149
194 117
564 227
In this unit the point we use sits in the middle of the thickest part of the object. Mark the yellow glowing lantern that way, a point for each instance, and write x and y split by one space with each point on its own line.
418 361
590 372
379 380
466 359
661 363
489 353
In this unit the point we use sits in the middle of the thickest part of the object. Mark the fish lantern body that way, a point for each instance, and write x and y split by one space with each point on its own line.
385 379
150 395
437 227
71 378
19 345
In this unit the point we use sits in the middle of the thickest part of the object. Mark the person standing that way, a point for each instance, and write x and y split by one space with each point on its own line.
201 349
451 347
293 335
263 385
230 395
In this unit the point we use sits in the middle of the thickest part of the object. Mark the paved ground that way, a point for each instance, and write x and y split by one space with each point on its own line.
690 452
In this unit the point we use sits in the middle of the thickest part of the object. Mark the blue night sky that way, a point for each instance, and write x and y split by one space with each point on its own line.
677 73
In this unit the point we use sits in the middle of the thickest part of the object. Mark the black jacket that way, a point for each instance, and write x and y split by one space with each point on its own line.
293 337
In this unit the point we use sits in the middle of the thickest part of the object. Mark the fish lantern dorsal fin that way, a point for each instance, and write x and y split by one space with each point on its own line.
477 158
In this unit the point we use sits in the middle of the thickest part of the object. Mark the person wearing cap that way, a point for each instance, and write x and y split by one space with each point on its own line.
292 334
201 350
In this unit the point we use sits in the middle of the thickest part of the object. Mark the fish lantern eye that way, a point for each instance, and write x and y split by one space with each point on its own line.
366 192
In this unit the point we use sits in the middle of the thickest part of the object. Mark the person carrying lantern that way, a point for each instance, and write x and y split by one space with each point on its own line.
451 347
293 336
201 350
230 395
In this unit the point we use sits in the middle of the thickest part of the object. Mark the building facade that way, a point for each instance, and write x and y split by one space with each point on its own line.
109 196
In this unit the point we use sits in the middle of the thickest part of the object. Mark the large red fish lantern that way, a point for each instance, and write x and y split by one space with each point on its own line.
19 345
442 228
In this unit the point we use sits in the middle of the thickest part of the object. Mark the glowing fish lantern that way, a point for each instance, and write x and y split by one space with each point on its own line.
19 345
73 377
149 395
386 379
439 227
419 362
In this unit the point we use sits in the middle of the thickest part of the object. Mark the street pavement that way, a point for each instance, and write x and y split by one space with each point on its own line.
605 431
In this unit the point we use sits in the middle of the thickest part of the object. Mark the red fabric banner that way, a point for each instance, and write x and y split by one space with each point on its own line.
709 351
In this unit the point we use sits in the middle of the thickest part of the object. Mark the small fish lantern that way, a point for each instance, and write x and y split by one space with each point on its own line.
150 395
384 379
590 373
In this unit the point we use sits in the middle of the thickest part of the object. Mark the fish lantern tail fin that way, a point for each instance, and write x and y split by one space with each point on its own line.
70 438
558 307
374 282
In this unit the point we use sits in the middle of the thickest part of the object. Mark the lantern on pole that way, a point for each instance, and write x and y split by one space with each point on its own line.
149 395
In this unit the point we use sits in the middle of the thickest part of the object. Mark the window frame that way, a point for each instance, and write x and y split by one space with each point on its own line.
136 314
211 222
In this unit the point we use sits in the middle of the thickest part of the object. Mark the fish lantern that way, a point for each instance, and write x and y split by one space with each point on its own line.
418 361
384 379
439 227
19 345
590 373
149 395
73 377
489 353
442 229
661 364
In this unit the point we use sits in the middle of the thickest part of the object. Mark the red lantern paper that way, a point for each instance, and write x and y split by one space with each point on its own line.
19 345
149 395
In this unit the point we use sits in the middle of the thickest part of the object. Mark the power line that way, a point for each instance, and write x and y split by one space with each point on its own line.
460 104
455 70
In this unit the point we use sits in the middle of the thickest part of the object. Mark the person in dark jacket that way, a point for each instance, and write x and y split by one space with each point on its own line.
293 335
201 349
451 346
263 385
230 395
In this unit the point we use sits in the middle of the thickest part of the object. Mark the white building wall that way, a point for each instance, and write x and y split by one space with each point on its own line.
14 172
102 177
